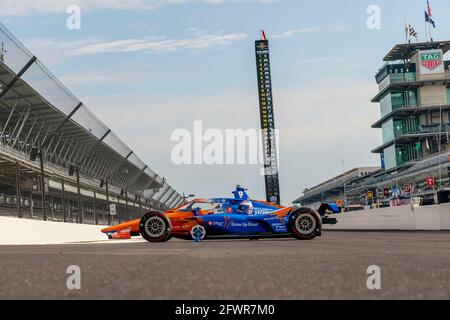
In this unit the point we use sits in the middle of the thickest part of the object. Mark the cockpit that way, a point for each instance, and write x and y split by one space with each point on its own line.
203 206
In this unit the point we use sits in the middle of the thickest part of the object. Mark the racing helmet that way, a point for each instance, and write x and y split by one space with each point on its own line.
217 207
246 207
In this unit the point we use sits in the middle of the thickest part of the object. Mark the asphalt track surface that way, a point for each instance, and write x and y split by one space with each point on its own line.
413 266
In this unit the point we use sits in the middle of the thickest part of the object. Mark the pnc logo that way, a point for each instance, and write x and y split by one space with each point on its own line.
431 61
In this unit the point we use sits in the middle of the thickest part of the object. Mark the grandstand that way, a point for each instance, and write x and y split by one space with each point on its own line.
58 161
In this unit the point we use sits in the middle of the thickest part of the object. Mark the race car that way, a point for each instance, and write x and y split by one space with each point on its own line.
224 218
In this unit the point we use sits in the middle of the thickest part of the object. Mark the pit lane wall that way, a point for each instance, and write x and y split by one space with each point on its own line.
15 231
429 218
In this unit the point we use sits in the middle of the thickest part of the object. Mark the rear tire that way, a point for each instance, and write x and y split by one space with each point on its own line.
155 227
305 224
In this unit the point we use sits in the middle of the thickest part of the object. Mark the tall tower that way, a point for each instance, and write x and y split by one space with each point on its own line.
267 120
414 101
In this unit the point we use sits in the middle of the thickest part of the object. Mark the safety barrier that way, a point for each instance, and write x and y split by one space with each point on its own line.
428 218
15 231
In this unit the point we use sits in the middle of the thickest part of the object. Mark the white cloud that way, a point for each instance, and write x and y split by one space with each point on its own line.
26 7
54 52
159 46
292 33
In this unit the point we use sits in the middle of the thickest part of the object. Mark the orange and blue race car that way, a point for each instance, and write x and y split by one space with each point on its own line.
225 218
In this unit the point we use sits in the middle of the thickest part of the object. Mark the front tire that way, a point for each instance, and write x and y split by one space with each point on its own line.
155 227
305 224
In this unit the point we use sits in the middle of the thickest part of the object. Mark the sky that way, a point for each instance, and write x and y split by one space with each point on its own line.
149 67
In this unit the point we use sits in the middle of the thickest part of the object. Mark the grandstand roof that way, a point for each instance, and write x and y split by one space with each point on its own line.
38 106
336 182
407 50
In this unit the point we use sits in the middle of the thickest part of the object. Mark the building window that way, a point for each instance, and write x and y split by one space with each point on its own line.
402 77
408 153
395 100
389 157
388 131
399 128
395 128
385 105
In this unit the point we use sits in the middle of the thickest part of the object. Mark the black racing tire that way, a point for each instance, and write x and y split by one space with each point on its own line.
305 224
155 227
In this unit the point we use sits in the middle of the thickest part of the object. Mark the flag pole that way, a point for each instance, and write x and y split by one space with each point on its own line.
407 33
429 27
429 14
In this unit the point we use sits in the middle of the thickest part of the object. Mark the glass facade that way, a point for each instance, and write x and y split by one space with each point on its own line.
413 152
395 128
403 150
396 73
402 77
410 125
389 157
388 131
395 156
386 105
395 100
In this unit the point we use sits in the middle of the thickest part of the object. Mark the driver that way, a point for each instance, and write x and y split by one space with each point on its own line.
246 207
217 208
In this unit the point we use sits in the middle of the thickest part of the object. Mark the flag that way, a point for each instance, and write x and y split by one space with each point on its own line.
413 32
263 35
428 19
430 12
